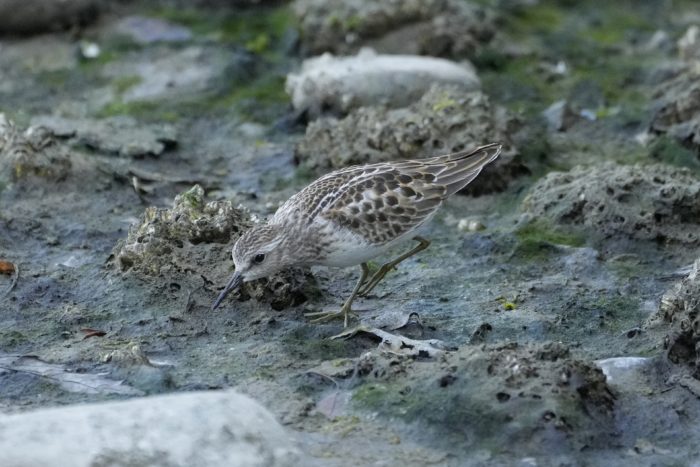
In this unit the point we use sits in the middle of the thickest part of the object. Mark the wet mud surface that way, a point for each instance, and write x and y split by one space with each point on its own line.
552 321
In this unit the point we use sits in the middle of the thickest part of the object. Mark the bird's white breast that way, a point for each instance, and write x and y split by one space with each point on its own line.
348 248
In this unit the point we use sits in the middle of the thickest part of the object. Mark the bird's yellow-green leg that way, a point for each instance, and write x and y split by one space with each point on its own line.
346 309
382 271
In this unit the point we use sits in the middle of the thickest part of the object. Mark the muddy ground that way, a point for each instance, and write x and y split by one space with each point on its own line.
530 287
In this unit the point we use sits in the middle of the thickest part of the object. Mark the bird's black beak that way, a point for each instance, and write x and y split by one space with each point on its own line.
234 283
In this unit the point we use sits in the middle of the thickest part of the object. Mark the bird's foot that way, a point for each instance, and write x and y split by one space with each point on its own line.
324 316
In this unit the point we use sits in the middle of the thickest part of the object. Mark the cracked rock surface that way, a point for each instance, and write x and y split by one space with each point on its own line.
654 202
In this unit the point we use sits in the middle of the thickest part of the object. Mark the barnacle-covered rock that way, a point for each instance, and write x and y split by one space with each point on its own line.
450 28
653 202
32 152
680 307
446 119
194 239
677 108
163 237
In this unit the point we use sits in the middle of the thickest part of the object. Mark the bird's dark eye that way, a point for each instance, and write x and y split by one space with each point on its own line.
259 258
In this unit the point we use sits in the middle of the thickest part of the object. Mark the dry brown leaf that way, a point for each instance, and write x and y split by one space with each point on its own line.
6 267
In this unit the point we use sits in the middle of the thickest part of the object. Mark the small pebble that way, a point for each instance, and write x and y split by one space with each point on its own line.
89 50
470 225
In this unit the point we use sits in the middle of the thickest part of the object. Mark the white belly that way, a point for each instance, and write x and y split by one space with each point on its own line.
345 257
349 249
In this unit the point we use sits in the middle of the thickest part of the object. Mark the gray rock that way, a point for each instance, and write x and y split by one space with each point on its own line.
144 30
38 16
446 119
677 108
115 135
448 28
163 73
659 41
341 84
33 152
654 202
559 116
199 428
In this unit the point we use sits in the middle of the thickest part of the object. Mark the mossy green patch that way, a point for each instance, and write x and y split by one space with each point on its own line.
124 83
55 78
542 17
304 342
627 266
259 44
261 100
11 338
144 110
353 23
615 22
371 395
462 412
111 48
265 90
542 231
669 150
444 102
260 30
192 198
618 312
537 240
581 36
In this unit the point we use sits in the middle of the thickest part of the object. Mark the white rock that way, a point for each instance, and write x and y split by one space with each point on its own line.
340 84
192 429
688 44
621 368
559 116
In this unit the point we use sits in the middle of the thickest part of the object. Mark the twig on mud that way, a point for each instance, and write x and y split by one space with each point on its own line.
323 375
13 283
188 302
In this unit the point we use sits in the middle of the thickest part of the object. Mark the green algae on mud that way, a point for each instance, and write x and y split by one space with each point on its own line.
669 150
537 238
475 397
305 342
147 111
261 31
582 42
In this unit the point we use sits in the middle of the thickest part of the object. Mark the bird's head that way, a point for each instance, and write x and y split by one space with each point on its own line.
258 253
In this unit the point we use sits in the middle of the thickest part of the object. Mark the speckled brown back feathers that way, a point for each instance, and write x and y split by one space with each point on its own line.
383 201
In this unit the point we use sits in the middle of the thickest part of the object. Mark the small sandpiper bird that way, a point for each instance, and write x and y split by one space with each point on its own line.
352 215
